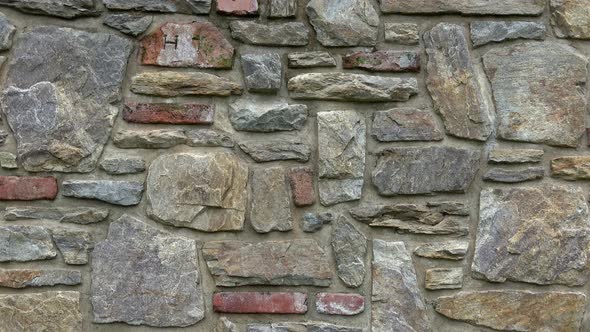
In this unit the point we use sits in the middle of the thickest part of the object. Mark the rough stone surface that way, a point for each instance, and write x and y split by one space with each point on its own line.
342 304
8 160
225 325
260 303
141 275
3 133
163 6
451 250
169 113
7 31
443 278
396 301
132 25
537 92
275 34
485 32
537 235
405 124
287 263
58 8
311 59
254 116
402 33
213 200
570 18
149 139
302 187
349 246
383 61
514 175
270 203
25 243
455 85
468 7
351 87
512 310
14 188
173 84
412 171
118 165
74 215
124 193
38 278
283 8
262 72
277 149
208 138
344 22
571 168
237 7
315 222
301 327
61 104
515 156
73 245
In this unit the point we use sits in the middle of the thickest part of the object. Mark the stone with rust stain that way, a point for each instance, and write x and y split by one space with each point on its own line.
571 168
570 18
405 124
260 302
174 84
467 7
273 34
270 203
25 243
383 61
133 25
349 246
443 278
39 278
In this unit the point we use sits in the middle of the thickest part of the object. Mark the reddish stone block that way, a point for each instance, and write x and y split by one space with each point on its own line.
260 303
198 45
339 304
301 180
237 7
14 188
168 113
383 61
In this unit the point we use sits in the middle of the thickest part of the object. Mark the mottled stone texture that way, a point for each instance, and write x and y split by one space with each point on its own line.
485 32
571 18
350 250
262 72
477 7
38 278
173 84
25 243
168 113
132 25
273 34
342 304
260 303
58 8
405 124
163 6
270 208
383 61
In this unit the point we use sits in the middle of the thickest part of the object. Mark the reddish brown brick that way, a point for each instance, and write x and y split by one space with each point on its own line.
237 7
169 113
14 188
301 180
344 304
383 61
260 303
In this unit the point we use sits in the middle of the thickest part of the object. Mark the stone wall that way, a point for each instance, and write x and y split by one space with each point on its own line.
290 166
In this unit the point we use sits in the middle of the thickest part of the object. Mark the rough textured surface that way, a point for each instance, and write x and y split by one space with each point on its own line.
149 139
169 113
350 251
15 188
485 32
515 156
311 59
302 186
260 303
443 278
124 193
225 325
276 34
73 245
514 175
172 84
7 31
164 6
283 8
58 8
451 250
571 168
132 25
342 304
405 124
254 116
237 7
75 215
477 7
570 18
277 149
38 278
270 203
120 165
262 72
402 33
383 61
301 327
25 243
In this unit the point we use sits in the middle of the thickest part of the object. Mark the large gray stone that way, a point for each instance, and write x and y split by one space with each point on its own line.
39 278
256 116
25 243
141 275
262 72
405 124
62 96
74 215
164 6
124 193
59 8
129 24
468 7
7 31
485 32
350 251
275 34
73 245
270 202
277 149
570 18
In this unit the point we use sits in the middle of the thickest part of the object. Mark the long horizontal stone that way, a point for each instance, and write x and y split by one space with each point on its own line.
167 138
468 7
571 168
277 149
485 32
58 8
383 61
163 6
125 193
14 188
570 18
275 34
405 124
39 278
342 304
301 327
168 113
133 25
515 156
74 215
255 116
260 303
310 59
443 278
174 84
451 250
25 243
514 175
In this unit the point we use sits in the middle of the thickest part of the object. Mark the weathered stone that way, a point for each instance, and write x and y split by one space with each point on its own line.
515 156
59 8
256 116
121 164
73 245
174 84
351 87
132 25
314 222
276 34
444 278
342 304
237 7
513 310
514 175
383 61
262 72
455 85
302 188
38 278
396 301
350 251
413 171
196 45
260 303
74 215
270 204
344 22
169 113
14 188
485 32
163 6
208 138
8 160
301 327
25 243
570 18
534 84
124 193
405 124
46 311
7 31
468 7
571 168
287 263
450 208
283 8
402 33
149 139
141 275
539 235
213 200
451 250
311 59
61 104
3 133
225 325
277 149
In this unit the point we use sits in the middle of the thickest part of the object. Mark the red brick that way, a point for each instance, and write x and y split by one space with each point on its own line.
168 113
14 188
260 303
301 180
344 304
383 61
237 7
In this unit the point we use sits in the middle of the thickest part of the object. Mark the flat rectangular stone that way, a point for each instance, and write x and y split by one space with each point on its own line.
515 156
15 188
311 59
260 303
301 327
163 6
25 243
274 34
405 124
173 84
39 278
402 33
571 168
74 215
383 61
485 32
468 7
343 304
270 204
505 175
237 7
169 113
443 278
124 193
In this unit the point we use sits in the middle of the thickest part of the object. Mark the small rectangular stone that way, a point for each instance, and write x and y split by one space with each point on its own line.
443 278
302 188
515 156
301 327
383 61
275 34
402 33
311 59
514 175
485 32
571 168
168 113
405 124
237 7
14 188
39 278
283 8
8 160
451 250
343 304
260 303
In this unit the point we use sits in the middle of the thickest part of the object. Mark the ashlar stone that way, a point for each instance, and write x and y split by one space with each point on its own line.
270 202
262 72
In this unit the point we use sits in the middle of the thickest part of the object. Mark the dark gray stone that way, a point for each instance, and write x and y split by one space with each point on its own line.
485 32
262 72
405 124
117 165
270 202
129 24
7 31
164 6
59 8
350 251
73 245
125 193
277 149
315 222
514 175
275 34
255 116
74 215
25 243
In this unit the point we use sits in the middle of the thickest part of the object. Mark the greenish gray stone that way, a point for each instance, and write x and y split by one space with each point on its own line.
74 215
124 193
25 243
450 250
350 251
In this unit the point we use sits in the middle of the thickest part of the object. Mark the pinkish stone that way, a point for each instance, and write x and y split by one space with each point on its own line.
383 61
302 190
168 113
14 188
260 303
339 304
237 7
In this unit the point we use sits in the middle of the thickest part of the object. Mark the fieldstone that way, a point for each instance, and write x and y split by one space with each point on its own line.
275 34
7 31
58 8
39 278
350 251
208 138
74 215
262 72
571 168
467 7
515 156
8 160
514 175
428 170
450 207
149 139
132 25
25 243
301 327
455 85
535 83
286 263
310 59
213 200
237 7
342 304
117 165
163 6
141 275
344 22
260 302
402 33
61 104
443 278
485 32
383 61
270 203
283 8
277 149
225 325
537 235
397 304
351 87
451 250
3 133
255 116
124 193
570 18
73 245
46 311
196 45
302 188
315 222
174 84
514 310
169 113
405 124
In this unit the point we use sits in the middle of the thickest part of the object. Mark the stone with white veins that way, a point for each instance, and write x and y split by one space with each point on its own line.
262 72
257 116
7 31
451 250
350 251
301 327
124 193
129 24
74 215
58 8
164 6
485 32
274 34
25 243
270 201
73 245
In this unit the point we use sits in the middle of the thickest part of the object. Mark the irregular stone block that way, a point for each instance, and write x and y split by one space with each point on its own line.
8 160
260 303
15 188
208 138
25 243
124 193
213 200
132 25
38 278
168 113
225 325
7 31
402 33
302 188
141 275
275 34
485 32
405 124
313 223
3 133
570 18
117 165
287 263
343 304
75 215
515 156
149 139
451 250
58 8
383 61
301 327
349 246
514 175
73 245
283 8
174 84
163 6
262 72
277 149
270 204
311 59
571 168
535 83
443 278
468 7
256 116
237 7
450 208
